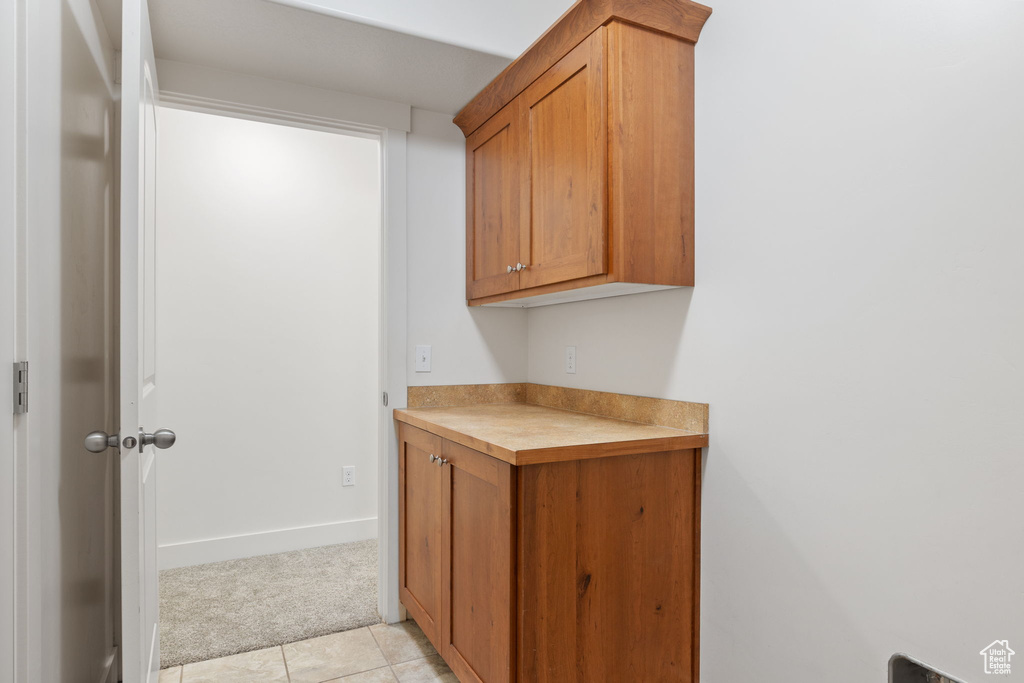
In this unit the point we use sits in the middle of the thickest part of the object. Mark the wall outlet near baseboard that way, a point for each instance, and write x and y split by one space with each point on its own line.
348 477
570 360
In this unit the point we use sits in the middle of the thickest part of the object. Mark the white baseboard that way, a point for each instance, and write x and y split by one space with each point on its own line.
264 543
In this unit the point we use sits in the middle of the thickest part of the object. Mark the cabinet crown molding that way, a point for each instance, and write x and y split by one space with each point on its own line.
680 18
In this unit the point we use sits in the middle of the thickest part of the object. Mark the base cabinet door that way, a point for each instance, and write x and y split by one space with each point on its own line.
478 611
420 527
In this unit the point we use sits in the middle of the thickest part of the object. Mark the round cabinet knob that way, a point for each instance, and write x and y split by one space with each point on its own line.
510 269
519 266
441 462
432 457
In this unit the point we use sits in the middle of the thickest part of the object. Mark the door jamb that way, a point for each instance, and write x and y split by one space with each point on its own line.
392 314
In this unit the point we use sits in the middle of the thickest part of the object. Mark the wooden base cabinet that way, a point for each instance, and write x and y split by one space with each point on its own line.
585 570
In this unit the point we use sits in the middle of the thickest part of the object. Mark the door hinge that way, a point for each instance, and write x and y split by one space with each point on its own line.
385 398
20 387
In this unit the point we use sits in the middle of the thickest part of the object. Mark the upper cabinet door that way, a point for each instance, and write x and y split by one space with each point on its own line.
494 216
564 117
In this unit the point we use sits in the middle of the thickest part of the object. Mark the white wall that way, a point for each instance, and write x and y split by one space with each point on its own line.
268 291
469 345
856 327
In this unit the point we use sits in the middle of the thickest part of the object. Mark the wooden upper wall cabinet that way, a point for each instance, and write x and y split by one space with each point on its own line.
579 159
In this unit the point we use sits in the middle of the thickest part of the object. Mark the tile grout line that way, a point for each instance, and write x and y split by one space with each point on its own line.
387 659
284 659
379 648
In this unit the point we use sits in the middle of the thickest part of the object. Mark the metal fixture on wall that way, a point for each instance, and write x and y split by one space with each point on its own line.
905 669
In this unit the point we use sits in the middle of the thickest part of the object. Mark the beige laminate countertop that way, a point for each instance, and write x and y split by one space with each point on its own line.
528 434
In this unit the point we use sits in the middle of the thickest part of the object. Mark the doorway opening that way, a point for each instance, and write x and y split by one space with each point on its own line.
269 341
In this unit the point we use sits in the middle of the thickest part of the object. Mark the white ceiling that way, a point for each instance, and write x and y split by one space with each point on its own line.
496 27
273 40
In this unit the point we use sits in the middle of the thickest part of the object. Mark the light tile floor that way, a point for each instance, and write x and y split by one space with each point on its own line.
379 654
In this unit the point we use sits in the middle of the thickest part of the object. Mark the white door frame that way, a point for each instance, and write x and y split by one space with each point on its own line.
392 316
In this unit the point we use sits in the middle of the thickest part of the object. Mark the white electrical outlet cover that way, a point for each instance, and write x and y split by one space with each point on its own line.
570 360
423 358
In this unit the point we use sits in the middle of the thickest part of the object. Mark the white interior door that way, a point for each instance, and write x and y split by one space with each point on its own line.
139 599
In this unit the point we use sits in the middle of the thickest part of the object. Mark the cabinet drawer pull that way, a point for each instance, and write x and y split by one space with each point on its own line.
520 266
433 457
510 269
441 462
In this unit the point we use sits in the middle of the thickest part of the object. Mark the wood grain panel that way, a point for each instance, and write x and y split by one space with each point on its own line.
676 17
479 561
493 205
564 120
420 527
651 172
544 289
547 572
698 480
618 536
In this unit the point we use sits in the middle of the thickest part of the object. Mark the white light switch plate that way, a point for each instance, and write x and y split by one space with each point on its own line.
422 359
570 360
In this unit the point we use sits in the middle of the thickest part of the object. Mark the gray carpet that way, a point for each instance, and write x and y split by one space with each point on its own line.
213 610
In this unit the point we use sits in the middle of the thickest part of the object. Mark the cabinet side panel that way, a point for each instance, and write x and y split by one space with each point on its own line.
698 481
636 549
607 569
651 168
547 572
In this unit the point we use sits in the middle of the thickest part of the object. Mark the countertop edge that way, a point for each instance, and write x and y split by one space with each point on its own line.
538 456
